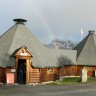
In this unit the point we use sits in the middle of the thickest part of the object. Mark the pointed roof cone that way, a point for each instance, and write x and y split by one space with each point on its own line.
16 37
86 50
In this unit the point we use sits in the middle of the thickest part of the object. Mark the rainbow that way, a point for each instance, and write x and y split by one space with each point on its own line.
43 19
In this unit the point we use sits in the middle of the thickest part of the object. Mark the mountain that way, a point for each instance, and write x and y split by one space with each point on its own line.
62 44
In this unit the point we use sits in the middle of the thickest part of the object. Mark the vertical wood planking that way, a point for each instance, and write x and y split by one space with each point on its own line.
34 75
68 71
2 75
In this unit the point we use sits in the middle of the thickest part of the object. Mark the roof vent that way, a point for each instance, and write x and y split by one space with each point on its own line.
20 21
91 32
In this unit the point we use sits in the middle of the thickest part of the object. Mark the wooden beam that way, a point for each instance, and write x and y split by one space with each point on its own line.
27 70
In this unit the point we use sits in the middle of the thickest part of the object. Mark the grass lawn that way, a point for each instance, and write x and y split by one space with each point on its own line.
72 80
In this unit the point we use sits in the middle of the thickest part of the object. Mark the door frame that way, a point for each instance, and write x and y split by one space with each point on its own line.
23 53
27 67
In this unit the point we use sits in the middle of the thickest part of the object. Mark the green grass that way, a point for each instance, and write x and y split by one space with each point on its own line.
91 79
72 80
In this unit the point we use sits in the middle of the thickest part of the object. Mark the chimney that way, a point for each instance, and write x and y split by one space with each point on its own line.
20 21
91 32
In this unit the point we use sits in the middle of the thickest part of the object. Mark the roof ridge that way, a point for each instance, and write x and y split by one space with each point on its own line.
83 46
4 49
78 53
13 36
94 40
6 31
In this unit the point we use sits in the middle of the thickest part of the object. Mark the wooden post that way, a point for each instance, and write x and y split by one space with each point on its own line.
76 70
40 75
27 70
59 73
16 62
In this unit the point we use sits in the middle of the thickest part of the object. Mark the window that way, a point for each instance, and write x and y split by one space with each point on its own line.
50 70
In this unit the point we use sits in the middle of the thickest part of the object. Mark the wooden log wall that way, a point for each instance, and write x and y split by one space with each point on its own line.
90 69
46 76
76 70
2 75
56 73
68 71
79 68
43 75
34 75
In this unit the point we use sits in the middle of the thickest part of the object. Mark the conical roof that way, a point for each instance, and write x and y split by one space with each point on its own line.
19 35
86 50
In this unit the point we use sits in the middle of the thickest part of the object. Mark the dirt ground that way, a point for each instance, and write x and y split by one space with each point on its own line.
49 90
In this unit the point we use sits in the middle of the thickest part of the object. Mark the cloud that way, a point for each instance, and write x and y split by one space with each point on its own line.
50 18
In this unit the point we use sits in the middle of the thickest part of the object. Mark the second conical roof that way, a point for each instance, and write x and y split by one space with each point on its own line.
86 50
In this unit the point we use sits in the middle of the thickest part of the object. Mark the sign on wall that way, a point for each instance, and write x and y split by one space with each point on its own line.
10 78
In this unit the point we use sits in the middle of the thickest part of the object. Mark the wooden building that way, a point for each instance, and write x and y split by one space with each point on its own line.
86 53
24 56
28 59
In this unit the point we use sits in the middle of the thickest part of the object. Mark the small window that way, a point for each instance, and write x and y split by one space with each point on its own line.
50 70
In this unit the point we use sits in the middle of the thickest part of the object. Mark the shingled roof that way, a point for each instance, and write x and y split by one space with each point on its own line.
86 50
19 35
